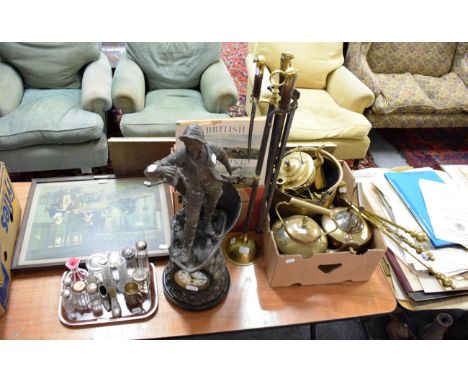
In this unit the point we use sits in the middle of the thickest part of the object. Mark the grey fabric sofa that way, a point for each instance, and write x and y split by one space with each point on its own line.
53 99
158 84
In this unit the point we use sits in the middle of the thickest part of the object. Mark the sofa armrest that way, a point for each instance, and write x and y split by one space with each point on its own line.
96 86
356 61
11 89
218 88
460 62
128 86
348 91
264 92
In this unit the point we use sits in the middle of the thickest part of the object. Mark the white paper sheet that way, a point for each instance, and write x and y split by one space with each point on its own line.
459 174
447 207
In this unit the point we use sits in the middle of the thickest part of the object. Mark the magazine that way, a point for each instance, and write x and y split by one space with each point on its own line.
232 135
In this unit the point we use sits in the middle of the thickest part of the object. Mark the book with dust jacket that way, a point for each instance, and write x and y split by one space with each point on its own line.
232 135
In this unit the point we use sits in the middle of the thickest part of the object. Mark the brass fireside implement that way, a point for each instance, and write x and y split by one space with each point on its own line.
242 249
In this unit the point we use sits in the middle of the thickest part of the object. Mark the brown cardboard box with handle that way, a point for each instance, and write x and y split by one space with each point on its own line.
322 268
10 216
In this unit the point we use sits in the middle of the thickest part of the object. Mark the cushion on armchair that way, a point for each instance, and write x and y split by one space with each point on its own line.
173 65
50 116
48 65
162 109
400 93
448 93
320 117
313 60
425 58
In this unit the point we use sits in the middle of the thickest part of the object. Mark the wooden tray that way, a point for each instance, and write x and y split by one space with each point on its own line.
150 305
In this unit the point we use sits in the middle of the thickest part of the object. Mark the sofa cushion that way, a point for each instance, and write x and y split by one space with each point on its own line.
173 65
313 60
163 108
320 117
49 117
426 58
400 93
448 93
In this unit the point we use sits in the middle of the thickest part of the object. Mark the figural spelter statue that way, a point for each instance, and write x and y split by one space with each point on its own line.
196 277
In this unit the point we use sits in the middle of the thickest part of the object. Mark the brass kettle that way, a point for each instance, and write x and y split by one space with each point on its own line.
299 171
322 185
299 234
344 227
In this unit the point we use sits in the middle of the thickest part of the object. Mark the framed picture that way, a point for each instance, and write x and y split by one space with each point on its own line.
79 216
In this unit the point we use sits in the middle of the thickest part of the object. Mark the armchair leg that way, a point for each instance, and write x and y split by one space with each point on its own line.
356 163
86 170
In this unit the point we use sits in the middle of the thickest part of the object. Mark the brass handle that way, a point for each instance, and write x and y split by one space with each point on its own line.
311 207
279 73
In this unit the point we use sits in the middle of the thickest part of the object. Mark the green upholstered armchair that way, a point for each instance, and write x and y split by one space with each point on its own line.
332 98
416 84
53 99
158 84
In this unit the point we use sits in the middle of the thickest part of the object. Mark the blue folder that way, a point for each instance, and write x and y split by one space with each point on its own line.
406 184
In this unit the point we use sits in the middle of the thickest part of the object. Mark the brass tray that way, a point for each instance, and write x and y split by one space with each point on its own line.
149 305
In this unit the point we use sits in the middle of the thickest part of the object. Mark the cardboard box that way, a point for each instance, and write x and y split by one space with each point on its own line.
10 216
322 268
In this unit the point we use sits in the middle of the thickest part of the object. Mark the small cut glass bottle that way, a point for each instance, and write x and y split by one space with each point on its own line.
75 273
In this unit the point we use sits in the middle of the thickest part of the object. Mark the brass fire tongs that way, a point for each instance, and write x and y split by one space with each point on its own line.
242 249
280 132
399 235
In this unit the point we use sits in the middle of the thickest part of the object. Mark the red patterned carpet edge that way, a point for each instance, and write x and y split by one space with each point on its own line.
233 54
430 147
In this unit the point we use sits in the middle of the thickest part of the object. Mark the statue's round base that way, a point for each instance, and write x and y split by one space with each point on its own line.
196 300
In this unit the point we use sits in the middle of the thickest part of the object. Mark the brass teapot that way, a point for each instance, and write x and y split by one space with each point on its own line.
345 228
310 174
299 234
299 171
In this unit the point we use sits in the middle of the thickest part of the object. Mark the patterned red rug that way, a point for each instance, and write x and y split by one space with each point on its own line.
233 55
430 147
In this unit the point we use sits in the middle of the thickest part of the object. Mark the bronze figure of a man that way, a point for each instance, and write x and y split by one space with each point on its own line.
194 166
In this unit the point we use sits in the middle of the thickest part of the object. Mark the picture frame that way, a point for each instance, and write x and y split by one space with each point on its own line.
78 216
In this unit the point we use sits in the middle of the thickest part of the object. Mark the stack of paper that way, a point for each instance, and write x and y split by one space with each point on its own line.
410 277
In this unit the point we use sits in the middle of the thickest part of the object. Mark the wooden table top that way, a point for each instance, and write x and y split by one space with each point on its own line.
250 304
